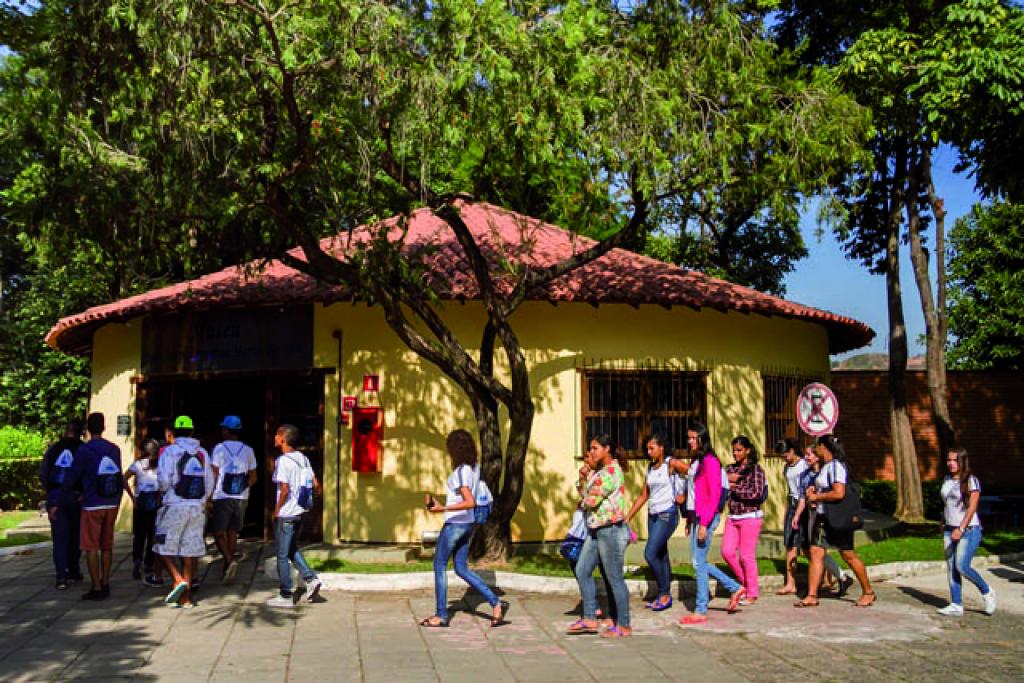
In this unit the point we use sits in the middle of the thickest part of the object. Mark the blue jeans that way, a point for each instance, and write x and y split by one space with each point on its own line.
699 553
454 540
65 532
286 531
606 545
613 613
660 528
958 562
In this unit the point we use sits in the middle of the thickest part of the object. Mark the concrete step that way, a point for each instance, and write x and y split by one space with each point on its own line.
36 526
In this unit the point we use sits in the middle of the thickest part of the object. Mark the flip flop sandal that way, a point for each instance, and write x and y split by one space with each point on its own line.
802 604
785 592
869 603
429 623
500 621
657 606
614 632
580 628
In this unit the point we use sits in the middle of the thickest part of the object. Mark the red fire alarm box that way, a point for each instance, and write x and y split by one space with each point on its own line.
367 434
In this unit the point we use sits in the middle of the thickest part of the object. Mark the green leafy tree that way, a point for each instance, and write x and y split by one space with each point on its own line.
986 288
237 130
931 72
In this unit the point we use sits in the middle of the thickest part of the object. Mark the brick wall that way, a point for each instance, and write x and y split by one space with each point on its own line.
987 409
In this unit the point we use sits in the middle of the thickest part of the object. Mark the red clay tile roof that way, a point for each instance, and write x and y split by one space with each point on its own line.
618 277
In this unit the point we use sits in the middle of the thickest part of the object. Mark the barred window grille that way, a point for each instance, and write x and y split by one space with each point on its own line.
780 396
630 405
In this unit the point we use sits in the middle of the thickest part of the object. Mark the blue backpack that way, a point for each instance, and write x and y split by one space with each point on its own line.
109 480
59 469
233 483
304 496
190 486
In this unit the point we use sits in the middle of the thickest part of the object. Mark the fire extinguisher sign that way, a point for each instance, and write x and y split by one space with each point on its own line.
371 383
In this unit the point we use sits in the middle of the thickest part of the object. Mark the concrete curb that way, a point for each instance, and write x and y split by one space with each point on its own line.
529 583
28 547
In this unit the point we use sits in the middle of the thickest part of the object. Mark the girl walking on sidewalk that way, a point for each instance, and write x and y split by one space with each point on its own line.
961 533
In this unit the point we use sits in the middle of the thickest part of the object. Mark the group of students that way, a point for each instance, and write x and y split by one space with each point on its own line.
702 493
179 491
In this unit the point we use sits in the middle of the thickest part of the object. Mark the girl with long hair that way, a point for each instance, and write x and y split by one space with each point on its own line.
604 505
707 497
747 490
662 515
457 531
145 502
830 487
961 532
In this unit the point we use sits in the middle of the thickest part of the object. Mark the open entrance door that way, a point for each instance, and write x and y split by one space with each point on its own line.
263 403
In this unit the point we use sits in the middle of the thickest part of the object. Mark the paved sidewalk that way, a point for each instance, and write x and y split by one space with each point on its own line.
232 635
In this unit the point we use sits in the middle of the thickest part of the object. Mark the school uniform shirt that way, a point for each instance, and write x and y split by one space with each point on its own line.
578 528
197 464
292 468
146 480
831 473
955 506
660 490
464 475
232 457
794 475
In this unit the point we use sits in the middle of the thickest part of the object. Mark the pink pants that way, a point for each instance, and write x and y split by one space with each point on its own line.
739 548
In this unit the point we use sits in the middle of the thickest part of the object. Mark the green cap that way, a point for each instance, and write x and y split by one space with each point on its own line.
183 422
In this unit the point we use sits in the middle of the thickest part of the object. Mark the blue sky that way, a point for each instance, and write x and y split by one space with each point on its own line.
827 279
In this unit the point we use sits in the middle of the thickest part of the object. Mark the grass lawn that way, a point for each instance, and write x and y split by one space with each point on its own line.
9 520
918 545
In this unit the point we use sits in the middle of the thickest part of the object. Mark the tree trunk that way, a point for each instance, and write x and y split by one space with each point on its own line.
909 501
934 314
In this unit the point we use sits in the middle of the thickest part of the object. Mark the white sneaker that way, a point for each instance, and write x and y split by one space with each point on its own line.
990 601
281 602
313 589
951 610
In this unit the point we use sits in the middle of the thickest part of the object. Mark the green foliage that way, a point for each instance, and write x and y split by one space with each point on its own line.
21 443
879 495
986 288
20 488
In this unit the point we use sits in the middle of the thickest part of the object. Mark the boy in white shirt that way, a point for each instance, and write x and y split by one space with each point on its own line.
234 468
296 486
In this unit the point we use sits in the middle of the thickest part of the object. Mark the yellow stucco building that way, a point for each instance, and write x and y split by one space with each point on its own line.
627 345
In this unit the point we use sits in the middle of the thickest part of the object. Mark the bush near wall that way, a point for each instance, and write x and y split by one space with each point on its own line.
19 484
21 443
879 495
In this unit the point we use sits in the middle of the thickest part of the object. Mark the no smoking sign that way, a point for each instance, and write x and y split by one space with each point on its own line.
817 410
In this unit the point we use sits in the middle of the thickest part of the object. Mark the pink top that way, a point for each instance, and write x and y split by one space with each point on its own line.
707 488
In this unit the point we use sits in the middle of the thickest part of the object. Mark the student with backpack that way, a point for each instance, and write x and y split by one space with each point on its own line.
709 494
748 490
829 492
296 486
146 503
234 467
662 514
97 467
64 510
186 482
467 502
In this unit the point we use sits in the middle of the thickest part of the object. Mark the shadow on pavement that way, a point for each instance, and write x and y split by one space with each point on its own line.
47 634
924 597
1012 572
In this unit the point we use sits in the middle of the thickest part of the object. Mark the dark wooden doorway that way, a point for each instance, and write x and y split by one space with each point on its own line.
264 403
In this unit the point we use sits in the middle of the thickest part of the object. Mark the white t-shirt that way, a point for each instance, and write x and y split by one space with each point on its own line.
292 468
145 477
463 475
235 458
833 472
793 474
578 529
661 496
955 507
691 477
197 464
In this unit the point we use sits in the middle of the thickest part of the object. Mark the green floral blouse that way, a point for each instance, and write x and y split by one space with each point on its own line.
604 496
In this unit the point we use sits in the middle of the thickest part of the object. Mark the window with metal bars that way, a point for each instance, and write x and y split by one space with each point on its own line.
630 405
780 395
